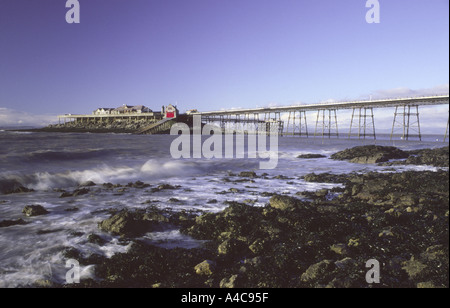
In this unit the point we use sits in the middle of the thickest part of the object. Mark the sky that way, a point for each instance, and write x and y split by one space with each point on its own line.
215 54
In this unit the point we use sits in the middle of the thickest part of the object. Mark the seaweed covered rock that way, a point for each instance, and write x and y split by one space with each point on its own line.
9 223
34 210
8 187
433 157
311 156
283 203
129 224
371 154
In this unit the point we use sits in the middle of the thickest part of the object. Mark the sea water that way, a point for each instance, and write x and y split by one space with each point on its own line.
50 163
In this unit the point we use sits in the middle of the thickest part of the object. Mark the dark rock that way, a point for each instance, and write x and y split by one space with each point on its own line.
284 202
311 156
126 224
75 193
34 210
370 154
9 223
248 174
9 187
96 239
318 271
232 247
432 157
87 184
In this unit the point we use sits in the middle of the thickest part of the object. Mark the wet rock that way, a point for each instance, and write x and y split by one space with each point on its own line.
283 203
431 157
8 187
371 154
75 193
232 247
318 271
126 224
426 285
340 249
34 210
248 174
96 239
206 268
9 223
87 184
311 156
229 283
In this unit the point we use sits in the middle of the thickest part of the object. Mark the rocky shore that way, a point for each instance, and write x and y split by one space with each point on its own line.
315 239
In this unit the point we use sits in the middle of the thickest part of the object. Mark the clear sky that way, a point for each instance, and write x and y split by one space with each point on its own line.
215 54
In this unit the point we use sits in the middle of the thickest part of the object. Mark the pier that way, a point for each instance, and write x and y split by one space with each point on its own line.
290 120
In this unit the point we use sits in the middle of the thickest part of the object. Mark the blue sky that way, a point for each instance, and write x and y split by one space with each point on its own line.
215 54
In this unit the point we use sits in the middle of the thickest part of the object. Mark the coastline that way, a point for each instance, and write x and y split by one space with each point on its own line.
315 239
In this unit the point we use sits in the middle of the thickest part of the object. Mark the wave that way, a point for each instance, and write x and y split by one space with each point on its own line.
150 170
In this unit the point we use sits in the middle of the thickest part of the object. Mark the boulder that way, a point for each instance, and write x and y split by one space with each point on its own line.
206 268
8 187
34 210
126 224
87 184
284 202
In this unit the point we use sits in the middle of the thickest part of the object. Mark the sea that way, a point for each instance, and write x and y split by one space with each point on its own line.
50 163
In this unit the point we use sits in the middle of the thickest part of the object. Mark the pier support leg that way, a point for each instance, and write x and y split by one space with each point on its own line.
327 125
366 123
298 124
409 122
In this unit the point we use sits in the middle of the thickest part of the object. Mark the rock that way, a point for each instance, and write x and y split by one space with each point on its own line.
9 187
317 271
414 268
34 210
87 184
345 264
96 239
284 202
311 156
258 246
9 223
229 283
432 157
206 268
371 154
322 193
232 247
340 249
426 285
75 193
386 233
125 224
248 174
